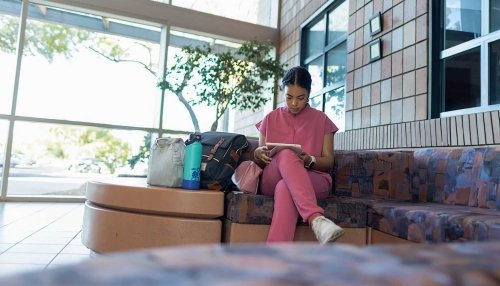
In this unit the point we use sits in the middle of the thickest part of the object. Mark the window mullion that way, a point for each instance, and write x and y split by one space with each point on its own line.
325 60
485 71
485 17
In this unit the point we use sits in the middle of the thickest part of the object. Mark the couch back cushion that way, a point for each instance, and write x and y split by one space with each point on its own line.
458 176
374 174
248 153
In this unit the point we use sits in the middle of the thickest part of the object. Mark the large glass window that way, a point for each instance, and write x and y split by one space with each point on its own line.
324 53
90 73
494 15
462 21
316 102
334 106
462 80
87 102
9 26
315 38
336 65
337 20
316 68
466 47
59 159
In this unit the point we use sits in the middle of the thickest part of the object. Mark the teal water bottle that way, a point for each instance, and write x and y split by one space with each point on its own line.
192 163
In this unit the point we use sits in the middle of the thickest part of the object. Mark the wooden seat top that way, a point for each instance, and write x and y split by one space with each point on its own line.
135 195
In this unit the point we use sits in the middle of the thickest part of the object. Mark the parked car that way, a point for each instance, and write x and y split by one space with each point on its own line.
89 165
15 160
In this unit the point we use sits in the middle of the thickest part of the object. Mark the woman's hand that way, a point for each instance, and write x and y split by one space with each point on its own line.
262 153
306 158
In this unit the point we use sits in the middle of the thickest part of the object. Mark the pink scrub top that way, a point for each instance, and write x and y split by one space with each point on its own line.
307 128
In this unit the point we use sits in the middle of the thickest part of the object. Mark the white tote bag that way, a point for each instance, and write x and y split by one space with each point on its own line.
166 162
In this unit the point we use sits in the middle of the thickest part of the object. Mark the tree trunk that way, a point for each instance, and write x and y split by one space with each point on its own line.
214 125
190 110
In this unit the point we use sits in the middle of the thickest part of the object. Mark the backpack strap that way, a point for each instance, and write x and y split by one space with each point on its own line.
214 149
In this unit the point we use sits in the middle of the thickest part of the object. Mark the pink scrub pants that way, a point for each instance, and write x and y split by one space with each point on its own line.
295 191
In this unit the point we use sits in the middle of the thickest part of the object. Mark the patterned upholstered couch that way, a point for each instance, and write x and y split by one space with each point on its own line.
309 264
426 195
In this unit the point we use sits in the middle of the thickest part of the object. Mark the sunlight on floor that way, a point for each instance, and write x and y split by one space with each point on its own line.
35 236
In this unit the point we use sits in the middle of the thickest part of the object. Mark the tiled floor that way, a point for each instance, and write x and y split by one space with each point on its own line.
40 235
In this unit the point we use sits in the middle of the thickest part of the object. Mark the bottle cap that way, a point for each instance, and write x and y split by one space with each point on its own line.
193 137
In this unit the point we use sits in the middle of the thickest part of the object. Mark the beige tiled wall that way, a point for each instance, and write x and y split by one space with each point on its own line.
386 100
393 89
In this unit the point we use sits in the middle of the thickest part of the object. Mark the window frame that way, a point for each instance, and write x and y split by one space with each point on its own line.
322 15
119 11
439 55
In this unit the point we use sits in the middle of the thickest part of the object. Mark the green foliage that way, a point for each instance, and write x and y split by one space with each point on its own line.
61 138
88 142
57 150
112 151
45 39
179 75
143 152
8 34
240 79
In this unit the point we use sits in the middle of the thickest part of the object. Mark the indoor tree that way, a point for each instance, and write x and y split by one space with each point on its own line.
242 79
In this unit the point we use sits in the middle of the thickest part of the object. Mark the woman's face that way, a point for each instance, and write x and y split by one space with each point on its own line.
296 98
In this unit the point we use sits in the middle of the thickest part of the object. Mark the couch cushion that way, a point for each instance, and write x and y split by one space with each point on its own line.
433 222
258 209
460 176
374 174
280 264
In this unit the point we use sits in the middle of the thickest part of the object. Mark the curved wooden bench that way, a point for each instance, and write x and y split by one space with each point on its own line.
126 213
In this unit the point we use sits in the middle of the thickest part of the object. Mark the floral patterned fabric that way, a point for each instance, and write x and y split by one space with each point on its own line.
432 222
282 264
374 174
435 194
464 176
458 190
258 209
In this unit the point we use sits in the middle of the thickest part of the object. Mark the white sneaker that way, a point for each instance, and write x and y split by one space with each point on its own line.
326 230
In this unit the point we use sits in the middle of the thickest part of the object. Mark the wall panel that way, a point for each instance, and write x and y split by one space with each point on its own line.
440 132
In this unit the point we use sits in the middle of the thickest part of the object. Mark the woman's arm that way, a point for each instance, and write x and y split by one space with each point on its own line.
261 153
325 162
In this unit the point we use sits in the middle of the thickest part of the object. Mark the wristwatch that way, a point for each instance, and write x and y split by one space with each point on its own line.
311 164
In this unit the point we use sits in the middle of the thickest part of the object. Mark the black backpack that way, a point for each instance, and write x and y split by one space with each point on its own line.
221 152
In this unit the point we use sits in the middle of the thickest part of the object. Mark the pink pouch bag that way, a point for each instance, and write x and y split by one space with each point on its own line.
246 177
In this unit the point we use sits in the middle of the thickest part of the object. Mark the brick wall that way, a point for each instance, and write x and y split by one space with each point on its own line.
376 94
386 100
